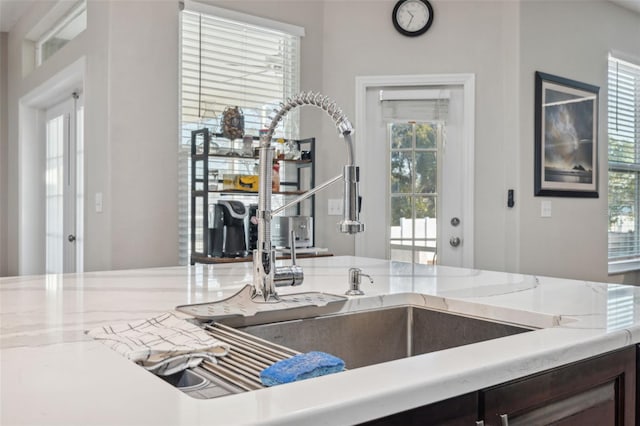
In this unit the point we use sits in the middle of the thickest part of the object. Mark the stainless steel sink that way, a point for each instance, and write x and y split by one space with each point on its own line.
186 380
200 384
376 336
359 338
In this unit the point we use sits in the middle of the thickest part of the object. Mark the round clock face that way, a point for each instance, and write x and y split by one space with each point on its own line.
412 17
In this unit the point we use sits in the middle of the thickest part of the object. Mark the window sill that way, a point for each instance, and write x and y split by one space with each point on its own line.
622 266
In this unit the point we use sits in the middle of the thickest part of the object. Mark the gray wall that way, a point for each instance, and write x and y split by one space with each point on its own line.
503 43
131 129
466 37
143 133
131 92
573 242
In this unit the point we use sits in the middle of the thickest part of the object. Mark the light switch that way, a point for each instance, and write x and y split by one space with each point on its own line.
335 206
545 209
98 202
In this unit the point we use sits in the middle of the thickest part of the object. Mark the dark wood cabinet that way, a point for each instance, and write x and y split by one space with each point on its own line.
459 411
599 391
637 385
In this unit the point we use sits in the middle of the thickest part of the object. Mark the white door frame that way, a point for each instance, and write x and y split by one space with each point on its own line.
31 194
424 81
68 110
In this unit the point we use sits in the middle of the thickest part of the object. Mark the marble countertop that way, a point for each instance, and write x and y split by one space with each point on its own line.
52 373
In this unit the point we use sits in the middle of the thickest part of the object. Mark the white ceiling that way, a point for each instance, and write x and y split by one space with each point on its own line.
11 10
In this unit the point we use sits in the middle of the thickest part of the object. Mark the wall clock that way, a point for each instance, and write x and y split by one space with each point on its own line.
412 17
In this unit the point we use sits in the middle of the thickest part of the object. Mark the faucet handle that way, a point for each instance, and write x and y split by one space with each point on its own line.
354 282
289 275
292 243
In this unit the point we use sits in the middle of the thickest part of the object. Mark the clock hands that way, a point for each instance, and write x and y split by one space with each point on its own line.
410 14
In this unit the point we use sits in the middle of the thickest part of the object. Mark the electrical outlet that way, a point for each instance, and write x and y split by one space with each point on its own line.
335 206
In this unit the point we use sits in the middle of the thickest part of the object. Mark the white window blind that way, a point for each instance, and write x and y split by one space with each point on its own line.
418 105
232 63
624 164
228 63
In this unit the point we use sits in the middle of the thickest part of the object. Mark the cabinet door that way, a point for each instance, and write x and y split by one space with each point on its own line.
598 391
458 411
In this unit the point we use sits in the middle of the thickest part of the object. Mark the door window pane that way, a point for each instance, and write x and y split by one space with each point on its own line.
425 136
401 209
426 207
413 191
401 135
426 172
401 172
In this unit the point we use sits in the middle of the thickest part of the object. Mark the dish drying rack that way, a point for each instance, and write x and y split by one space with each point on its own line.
248 356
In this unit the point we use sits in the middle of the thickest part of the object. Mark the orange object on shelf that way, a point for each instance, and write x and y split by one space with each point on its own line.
275 182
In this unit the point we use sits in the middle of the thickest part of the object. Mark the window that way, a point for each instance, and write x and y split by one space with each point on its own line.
624 165
233 60
416 128
65 29
414 190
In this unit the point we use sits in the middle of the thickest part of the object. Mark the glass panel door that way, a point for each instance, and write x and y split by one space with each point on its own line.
414 170
64 189
57 131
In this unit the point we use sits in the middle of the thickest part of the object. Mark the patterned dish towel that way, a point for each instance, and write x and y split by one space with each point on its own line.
164 344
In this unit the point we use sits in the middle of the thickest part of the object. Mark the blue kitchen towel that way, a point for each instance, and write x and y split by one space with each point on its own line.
300 367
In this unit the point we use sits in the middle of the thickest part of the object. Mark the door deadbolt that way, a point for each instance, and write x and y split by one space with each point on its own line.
455 221
71 238
455 241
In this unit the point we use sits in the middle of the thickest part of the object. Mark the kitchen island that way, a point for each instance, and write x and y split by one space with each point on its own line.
52 373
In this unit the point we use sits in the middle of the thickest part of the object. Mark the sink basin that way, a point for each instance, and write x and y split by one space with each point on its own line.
360 338
381 335
186 380
200 384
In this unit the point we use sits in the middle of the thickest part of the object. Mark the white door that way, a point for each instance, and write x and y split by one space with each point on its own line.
63 180
416 156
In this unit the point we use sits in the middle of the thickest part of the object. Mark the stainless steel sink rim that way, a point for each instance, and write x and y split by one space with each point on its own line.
373 336
405 327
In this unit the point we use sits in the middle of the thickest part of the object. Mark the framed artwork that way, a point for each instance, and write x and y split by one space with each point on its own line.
566 137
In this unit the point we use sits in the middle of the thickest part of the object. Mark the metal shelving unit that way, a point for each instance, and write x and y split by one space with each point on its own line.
297 176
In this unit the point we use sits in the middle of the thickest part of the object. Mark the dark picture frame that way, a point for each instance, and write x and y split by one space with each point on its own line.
566 137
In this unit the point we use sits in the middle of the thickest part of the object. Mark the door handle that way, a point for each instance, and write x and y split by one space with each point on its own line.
71 238
455 241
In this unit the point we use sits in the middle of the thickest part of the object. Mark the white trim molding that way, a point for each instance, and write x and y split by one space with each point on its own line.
208 9
426 81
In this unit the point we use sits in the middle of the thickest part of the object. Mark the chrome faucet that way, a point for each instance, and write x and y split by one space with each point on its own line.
267 276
